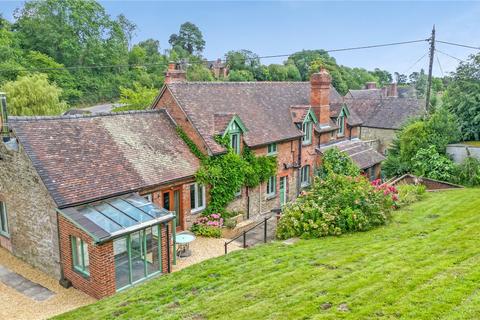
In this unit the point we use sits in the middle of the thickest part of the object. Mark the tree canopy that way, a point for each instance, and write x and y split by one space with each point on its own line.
189 38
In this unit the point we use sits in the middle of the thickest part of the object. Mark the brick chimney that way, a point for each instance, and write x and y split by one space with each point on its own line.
175 74
370 85
392 90
320 95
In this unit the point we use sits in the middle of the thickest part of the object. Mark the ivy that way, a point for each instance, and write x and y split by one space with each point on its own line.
191 145
227 173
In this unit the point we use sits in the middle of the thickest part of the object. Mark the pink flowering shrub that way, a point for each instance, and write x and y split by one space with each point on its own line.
208 226
387 190
335 205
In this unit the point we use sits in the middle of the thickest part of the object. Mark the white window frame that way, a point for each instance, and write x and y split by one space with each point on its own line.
272 149
272 181
307 132
196 201
305 176
4 220
148 197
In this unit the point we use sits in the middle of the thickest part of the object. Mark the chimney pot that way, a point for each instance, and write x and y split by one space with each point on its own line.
174 75
392 90
370 85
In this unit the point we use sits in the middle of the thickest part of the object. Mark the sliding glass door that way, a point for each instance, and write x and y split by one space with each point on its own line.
137 256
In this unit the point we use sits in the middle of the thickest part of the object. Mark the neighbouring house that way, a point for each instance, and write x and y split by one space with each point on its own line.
91 199
383 111
218 68
290 120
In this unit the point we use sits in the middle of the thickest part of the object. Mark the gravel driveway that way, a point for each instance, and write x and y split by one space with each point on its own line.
15 305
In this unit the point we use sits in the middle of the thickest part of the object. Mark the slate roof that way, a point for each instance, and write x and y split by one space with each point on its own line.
366 94
86 158
353 119
387 113
361 153
264 108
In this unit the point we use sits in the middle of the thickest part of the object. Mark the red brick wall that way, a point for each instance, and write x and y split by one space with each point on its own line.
101 282
168 102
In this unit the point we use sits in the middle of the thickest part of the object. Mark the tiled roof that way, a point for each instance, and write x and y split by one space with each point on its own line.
361 153
388 113
353 119
299 113
83 158
264 107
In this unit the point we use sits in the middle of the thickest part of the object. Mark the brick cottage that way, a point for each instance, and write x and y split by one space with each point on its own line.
90 200
295 121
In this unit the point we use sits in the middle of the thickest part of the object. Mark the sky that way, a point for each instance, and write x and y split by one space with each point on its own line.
283 27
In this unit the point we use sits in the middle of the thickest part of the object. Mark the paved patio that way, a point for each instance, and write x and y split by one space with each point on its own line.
27 293
203 249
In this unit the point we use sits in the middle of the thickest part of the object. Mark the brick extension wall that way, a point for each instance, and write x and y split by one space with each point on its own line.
101 282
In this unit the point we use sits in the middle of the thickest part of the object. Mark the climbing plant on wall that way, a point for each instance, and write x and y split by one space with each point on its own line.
227 173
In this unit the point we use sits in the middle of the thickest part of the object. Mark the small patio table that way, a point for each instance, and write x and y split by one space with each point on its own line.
183 239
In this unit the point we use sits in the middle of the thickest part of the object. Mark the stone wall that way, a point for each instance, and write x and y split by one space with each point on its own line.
459 152
32 219
384 137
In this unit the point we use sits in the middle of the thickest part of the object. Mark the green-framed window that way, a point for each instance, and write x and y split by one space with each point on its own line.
271 186
305 176
80 258
272 149
235 142
3 220
137 256
341 125
307 132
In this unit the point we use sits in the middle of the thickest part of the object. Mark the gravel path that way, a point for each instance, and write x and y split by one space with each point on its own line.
203 249
15 305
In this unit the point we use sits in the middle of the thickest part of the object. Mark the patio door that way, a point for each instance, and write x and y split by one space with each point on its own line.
283 190
171 201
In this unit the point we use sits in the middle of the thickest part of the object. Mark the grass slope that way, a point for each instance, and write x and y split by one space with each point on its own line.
424 265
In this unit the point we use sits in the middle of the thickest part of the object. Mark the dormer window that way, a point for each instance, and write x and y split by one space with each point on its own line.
234 130
341 125
307 132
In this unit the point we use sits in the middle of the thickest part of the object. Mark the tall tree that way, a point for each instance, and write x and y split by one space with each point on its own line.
462 97
189 38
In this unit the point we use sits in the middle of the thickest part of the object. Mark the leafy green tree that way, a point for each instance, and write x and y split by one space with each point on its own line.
419 81
190 38
137 98
242 60
198 72
335 161
277 72
240 75
400 78
293 74
462 97
384 77
304 59
34 95
429 163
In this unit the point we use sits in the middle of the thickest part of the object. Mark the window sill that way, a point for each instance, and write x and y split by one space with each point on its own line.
272 154
271 196
305 185
198 210
5 235
306 143
82 273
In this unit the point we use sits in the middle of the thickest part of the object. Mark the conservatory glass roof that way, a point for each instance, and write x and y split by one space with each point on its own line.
112 217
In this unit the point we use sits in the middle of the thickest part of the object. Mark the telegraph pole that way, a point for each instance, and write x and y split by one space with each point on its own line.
430 67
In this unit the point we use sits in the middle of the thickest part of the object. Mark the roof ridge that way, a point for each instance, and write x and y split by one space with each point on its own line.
238 82
82 116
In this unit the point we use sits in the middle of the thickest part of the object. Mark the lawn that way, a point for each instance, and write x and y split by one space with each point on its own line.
424 265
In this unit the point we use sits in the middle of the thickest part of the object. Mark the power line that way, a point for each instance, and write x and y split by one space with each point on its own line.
459 44
449 55
415 63
155 64
439 65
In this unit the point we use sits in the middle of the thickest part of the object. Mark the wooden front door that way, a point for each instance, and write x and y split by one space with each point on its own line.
171 200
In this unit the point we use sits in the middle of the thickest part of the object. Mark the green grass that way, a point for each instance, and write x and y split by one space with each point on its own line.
424 265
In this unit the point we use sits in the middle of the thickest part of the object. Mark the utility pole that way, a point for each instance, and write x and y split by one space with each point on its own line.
430 67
